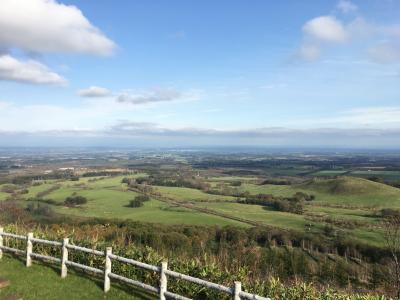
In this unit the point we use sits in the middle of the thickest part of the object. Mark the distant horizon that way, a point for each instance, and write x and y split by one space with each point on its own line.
210 148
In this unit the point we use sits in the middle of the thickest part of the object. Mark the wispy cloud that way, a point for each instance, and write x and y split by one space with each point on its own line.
157 95
29 71
94 92
346 6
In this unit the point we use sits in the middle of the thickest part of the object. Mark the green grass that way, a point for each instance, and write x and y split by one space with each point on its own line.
387 175
111 202
34 190
108 198
188 194
232 178
343 199
3 196
346 191
153 211
260 214
323 173
43 282
350 186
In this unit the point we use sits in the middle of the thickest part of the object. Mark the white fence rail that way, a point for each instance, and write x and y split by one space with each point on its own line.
236 291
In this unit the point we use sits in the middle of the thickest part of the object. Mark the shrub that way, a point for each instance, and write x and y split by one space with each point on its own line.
389 212
138 201
142 198
75 200
135 203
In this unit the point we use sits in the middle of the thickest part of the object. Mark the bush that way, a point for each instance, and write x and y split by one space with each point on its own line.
142 198
138 201
389 212
40 209
75 200
135 203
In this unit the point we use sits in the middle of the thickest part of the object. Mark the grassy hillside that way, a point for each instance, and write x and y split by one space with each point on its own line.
347 191
348 203
348 186
41 282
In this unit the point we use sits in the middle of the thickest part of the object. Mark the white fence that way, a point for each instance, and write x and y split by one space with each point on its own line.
236 291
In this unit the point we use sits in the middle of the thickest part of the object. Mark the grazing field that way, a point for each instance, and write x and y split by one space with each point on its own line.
327 173
3 196
152 211
43 282
188 194
387 175
260 214
107 197
346 191
350 205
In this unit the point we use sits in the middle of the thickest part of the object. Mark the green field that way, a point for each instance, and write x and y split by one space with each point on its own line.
3 196
108 198
351 201
43 282
387 175
324 173
260 214
346 191
187 194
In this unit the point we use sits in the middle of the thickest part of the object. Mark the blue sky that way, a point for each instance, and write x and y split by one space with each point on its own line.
179 73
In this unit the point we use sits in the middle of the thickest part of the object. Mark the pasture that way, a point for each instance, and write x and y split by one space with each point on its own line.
348 204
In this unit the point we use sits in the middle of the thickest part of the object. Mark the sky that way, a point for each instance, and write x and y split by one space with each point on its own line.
200 73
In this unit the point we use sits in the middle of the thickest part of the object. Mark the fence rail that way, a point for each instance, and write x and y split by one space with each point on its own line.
235 291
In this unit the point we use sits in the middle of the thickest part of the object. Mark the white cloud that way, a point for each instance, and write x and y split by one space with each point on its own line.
29 71
48 26
325 29
346 6
94 92
153 96
385 53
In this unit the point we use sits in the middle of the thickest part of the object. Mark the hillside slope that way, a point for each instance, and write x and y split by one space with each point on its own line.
350 186
352 191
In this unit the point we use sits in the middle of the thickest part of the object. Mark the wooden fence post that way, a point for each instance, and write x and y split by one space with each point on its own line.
163 280
1 241
107 269
29 247
236 290
64 258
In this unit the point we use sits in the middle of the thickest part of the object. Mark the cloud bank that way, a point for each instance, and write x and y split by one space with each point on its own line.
138 134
